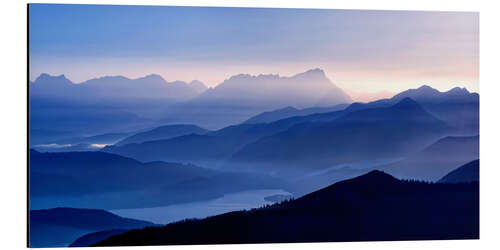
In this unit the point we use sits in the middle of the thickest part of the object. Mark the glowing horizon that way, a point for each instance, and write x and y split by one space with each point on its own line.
361 51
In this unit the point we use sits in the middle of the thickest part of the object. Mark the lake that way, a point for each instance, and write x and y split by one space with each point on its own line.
229 202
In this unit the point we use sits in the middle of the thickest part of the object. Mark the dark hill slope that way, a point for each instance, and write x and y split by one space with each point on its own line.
59 227
93 238
466 173
371 207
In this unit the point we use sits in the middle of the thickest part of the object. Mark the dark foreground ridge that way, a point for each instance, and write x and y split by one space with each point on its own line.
92 238
59 227
371 207
466 173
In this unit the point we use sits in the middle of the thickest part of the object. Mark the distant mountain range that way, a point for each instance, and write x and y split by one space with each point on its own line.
212 148
242 96
279 114
59 227
458 107
371 133
409 163
108 181
119 104
113 87
162 133
65 119
102 105
436 160
303 90
371 207
206 149
314 140
427 94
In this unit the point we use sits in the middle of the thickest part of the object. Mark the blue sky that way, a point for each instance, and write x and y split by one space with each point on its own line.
361 51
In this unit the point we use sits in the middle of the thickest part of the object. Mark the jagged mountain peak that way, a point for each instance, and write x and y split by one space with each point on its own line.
458 91
303 90
426 87
312 72
375 176
198 86
428 94
47 78
152 77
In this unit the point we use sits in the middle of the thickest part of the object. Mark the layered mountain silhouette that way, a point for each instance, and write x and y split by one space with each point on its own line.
162 133
374 206
208 149
228 146
59 227
198 86
458 107
436 160
242 96
114 87
279 114
108 181
90 239
63 117
466 173
374 130
127 104
123 104
310 88
371 133
178 142
96 105
150 101
211 149
427 94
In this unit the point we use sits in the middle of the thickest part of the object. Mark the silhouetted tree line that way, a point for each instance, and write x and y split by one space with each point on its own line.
371 207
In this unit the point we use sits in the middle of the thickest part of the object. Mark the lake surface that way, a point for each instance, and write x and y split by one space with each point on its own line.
230 202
